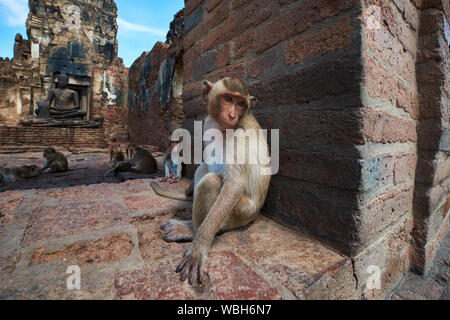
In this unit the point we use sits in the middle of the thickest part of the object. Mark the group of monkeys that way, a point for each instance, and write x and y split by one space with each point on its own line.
135 159
55 161
225 196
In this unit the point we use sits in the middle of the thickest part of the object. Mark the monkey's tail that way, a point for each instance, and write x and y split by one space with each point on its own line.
166 194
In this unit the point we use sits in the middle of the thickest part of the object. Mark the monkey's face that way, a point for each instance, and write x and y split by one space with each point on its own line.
48 152
34 171
231 108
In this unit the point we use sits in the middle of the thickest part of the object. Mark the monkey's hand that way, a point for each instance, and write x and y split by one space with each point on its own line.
193 264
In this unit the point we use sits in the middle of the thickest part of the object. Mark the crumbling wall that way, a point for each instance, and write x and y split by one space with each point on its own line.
73 37
156 81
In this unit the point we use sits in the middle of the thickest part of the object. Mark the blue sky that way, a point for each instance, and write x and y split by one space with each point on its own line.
141 24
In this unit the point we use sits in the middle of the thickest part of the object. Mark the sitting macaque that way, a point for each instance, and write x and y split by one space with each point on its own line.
9 175
118 161
55 160
173 169
226 196
141 160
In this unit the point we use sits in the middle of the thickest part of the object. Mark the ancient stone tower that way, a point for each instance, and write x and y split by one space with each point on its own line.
77 38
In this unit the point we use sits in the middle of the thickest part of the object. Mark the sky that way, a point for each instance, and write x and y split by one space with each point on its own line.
141 24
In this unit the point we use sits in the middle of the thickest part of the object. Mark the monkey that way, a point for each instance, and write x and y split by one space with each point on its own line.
173 168
55 160
142 160
9 175
118 161
225 196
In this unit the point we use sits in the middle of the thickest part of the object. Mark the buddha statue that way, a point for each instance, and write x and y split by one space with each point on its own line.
66 102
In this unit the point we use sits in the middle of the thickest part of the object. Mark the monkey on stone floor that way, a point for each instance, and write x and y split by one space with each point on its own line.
141 160
172 166
55 160
9 175
226 196
118 161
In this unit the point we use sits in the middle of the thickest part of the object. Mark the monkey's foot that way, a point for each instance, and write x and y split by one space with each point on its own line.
178 230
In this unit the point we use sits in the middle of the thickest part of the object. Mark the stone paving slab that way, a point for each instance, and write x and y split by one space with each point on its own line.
111 231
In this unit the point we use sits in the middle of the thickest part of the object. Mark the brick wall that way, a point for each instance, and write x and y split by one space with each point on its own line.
155 103
432 189
64 137
362 111
110 101
301 61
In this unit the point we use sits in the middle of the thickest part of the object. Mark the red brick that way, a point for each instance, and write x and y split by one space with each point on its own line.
320 43
252 15
382 127
192 90
320 127
385 209
191 5
244 43
396 25
223 55
233 71
261 64
212 4
319 168
405 168
194 107
294 22
192 53
217 16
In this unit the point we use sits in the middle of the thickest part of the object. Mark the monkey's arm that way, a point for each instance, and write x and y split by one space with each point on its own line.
46 166
194 259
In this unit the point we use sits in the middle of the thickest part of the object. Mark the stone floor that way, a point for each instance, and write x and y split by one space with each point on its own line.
435 285
111 231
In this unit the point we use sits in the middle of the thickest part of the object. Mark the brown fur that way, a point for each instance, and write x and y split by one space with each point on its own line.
9 175
142 160
55 160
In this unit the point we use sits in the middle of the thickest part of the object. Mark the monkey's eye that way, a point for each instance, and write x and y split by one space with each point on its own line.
241 103
227 98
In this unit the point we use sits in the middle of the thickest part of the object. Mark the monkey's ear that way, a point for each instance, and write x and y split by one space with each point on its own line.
253 102
206 88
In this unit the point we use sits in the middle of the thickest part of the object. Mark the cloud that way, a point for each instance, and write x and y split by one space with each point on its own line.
128 26
14 12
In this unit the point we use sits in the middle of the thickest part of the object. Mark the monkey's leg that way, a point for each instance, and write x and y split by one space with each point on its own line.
178 230
205 195
243 213
56 167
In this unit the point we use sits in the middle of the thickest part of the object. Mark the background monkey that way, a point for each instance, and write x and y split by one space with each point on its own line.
173 169
142 160
225 196
9 175
56 161
118 161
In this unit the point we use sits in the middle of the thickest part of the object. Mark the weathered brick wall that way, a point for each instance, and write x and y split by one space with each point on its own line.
390 110
65 137
432 189
155 104
110 101
301 61
8 93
